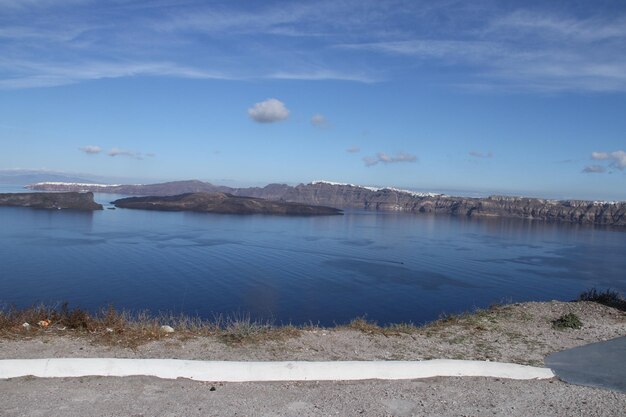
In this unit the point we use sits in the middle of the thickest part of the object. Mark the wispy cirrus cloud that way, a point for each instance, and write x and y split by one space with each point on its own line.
524 50
487 45
34 75
384 158
56 43
353 149
546 25
325 75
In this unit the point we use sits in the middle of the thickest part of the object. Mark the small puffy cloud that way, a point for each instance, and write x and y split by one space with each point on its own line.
268 111
91 149
319 120
382 157
598 156
477 154
353 149
594 169
616 159
123 152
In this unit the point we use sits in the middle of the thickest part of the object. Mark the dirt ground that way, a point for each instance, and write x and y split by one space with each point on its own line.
519 333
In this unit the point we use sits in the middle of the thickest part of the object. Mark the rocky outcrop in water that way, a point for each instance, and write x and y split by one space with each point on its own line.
222 203
57 201
389 199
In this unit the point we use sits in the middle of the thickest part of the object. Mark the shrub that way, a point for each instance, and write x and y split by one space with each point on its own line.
567 321
607 297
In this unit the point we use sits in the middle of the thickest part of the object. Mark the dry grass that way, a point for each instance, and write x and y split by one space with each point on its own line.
241 329
479 319
123 328
371 327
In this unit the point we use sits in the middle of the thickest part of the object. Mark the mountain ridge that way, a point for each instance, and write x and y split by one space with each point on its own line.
350 196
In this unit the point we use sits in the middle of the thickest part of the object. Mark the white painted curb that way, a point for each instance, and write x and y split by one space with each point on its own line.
265 371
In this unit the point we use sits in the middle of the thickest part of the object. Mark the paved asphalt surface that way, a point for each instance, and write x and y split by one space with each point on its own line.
600 364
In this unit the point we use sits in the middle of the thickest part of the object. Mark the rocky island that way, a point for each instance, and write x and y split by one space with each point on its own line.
54 201
385 199
222 203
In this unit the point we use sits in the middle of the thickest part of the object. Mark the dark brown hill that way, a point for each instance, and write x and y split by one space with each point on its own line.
68 200
222 203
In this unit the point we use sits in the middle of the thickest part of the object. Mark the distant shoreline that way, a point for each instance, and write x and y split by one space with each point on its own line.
349 196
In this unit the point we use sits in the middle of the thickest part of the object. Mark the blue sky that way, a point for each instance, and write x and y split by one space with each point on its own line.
519 97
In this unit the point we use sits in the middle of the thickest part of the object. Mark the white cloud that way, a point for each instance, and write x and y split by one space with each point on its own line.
477 154
319 120
616 159
353 149
91 149
269 111
594 169
384 158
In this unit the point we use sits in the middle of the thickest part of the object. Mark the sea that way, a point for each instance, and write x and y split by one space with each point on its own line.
388 267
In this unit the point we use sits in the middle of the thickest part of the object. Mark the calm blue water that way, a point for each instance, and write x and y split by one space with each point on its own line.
389 266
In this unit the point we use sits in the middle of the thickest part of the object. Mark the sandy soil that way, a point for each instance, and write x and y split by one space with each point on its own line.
519 333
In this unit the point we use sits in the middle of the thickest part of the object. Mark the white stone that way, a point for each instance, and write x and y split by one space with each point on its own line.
167 329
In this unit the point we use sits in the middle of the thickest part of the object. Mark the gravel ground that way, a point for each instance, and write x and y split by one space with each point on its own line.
519 333
146 396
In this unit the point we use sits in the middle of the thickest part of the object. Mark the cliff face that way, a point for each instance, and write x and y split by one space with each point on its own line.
68 200
352 196
222 203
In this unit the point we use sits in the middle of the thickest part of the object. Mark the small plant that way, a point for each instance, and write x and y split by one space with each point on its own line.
567 321
371 327
607 297
241 329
